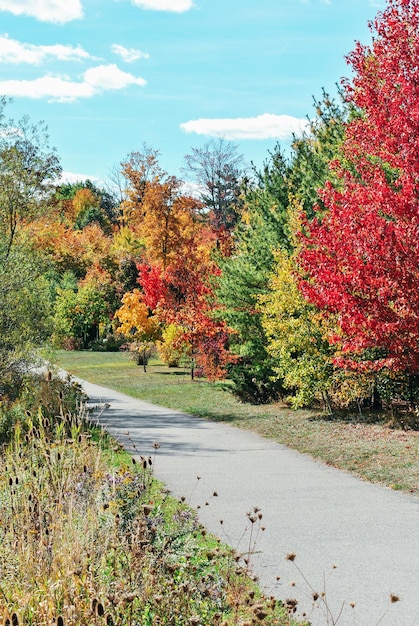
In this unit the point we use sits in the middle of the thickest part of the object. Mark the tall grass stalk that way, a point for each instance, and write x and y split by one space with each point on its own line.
88 537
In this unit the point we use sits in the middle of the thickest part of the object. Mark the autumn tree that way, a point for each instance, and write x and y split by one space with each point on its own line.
28 170
156 210
82 203
139 327
361 255
181 295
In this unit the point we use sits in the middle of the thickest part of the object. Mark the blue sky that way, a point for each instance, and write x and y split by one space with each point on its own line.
108 76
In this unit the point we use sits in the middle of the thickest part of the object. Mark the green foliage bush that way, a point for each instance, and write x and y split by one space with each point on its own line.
255 384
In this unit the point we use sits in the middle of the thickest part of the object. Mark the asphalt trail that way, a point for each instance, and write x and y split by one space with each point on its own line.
356 541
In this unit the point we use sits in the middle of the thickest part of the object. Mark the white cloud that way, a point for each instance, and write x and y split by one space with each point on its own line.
189 188
106 77
266 126
72 177
176 6
129 54
56 11
10 131
12 51
63 89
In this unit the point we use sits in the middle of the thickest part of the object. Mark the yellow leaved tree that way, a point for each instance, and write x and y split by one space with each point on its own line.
139 327
297 336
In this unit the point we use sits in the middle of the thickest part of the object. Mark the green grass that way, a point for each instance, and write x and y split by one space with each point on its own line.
368 449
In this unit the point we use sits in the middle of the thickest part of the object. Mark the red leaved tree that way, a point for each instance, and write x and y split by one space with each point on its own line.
181 294
361 255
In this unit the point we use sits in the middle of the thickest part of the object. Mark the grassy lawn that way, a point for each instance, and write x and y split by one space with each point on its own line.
372 451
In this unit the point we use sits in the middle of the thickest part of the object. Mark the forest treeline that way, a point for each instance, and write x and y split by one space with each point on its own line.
298 280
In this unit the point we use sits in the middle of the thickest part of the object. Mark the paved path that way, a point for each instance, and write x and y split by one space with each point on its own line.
327 517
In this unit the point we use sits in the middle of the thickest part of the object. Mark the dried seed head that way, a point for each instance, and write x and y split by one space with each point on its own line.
394 598
100 609
291 605
291 556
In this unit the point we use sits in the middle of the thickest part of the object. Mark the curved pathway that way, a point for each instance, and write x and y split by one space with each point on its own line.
326 516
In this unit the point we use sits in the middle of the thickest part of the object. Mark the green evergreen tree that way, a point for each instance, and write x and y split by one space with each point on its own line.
245 276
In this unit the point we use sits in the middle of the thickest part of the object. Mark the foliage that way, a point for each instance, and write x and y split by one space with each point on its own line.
170 346
138 326
28 169
87 210
245 276
361 255
76 199
141 351
182 295
66 249
297 336
155 209
134 318
78 315
313 152
25 313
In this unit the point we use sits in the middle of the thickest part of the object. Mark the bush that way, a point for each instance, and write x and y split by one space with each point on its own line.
254 385
110 343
